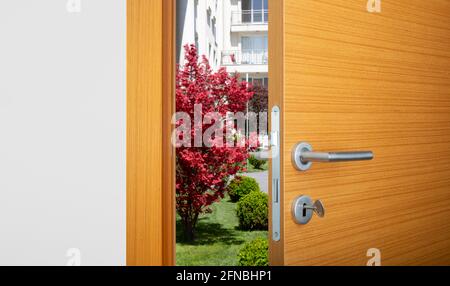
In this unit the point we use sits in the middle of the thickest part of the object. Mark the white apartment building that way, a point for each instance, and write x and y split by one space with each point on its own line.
199 22
231 33
245 44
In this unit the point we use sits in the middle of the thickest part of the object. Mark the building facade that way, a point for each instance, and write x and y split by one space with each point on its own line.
199 22
245 48
230 33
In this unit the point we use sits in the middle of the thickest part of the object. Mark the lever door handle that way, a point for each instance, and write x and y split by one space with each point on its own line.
307 156
303 156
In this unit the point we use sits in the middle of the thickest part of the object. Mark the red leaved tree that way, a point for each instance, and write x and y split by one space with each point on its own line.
259 104
203 172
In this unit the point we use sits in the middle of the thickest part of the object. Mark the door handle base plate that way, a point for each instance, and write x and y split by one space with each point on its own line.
296 156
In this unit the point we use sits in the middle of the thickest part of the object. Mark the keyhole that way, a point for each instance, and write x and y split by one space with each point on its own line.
304 210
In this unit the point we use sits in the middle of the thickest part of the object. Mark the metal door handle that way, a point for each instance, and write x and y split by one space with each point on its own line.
307 156
303 156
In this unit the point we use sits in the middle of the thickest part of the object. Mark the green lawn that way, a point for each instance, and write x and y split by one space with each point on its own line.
218 240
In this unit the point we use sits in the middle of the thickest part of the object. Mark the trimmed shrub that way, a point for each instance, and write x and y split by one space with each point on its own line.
254 253
253 211
257 163
242 186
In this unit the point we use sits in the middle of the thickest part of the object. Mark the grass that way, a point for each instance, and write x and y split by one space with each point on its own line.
252 169
218 239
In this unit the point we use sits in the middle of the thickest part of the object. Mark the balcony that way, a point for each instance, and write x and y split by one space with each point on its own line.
249 20
245 57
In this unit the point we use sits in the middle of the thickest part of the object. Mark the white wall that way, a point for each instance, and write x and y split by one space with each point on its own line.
186 25
62 132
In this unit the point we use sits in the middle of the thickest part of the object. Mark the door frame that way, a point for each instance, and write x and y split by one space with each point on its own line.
151 60
150 155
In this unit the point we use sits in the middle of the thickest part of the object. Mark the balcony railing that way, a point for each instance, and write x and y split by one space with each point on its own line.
245 57
250 17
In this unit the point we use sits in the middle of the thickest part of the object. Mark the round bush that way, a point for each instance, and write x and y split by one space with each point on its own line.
255 162
252 211
242 186
254 253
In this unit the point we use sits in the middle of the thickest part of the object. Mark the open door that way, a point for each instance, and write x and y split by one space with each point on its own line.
346 76
150 105
351 76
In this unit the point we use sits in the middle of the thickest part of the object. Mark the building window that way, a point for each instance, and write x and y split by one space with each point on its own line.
255 50
196 40
258 81
255 11
255 43
214 28
208 17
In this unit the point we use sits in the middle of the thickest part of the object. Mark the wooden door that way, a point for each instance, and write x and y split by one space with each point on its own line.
150 105
347 80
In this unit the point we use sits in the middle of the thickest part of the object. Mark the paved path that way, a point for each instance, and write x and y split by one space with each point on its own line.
262 178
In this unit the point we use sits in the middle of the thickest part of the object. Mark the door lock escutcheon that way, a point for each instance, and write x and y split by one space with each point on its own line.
303 209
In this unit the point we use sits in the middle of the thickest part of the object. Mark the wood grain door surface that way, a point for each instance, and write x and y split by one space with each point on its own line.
348 80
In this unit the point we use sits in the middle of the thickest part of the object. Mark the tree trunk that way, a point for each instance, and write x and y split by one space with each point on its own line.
189 231
189 228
